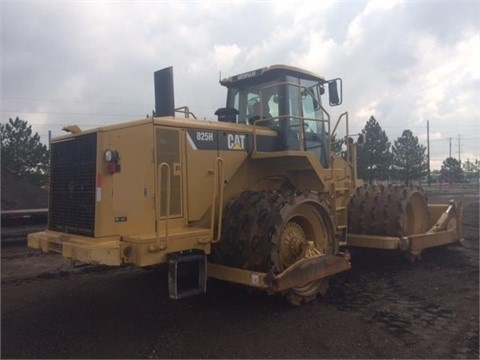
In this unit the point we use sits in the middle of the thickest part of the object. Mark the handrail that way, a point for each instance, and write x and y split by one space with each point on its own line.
338 121
218 175
186 111
159 204
347 141
329 138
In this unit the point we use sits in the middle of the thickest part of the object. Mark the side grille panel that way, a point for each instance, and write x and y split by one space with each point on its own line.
72 185
168 151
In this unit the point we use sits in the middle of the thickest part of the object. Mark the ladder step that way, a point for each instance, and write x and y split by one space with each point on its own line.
342 243
187 260
341 208
341 227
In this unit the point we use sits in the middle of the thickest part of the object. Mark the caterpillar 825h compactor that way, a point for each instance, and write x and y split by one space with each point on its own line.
255 197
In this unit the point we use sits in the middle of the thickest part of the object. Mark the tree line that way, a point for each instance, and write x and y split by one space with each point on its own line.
23 154
405 160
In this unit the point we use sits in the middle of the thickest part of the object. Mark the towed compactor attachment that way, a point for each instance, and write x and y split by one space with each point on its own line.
398 218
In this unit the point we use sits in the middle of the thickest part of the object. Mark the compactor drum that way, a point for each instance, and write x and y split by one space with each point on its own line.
267 232
255 197
388 210
396 216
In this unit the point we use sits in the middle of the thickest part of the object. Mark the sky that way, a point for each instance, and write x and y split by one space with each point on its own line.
91 63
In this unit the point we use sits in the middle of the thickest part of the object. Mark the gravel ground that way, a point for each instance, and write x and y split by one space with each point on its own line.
384 307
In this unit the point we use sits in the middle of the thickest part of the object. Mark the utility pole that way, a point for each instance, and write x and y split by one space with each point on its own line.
460 161
428 153
450 147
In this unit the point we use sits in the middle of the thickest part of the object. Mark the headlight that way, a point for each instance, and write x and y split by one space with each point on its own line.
111 155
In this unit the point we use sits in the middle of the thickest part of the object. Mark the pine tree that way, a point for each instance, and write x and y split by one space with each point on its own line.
374 157
409 159
337 146
451 171
22 152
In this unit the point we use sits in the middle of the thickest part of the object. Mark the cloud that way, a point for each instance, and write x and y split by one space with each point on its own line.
404 62
225 55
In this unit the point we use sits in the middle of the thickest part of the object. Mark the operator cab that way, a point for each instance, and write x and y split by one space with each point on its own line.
285 99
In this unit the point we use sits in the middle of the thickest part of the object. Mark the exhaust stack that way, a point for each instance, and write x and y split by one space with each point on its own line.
164 95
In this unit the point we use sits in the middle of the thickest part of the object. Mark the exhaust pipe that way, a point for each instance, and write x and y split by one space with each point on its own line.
164 95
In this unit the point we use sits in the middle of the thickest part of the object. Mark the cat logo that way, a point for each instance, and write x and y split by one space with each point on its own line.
236 142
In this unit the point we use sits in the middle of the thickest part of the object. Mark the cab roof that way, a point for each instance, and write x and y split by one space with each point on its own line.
269 73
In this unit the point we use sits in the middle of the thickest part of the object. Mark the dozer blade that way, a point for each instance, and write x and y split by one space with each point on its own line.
300 273
429 240
310 269
413 244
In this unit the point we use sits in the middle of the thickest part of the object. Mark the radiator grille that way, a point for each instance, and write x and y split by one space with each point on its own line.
72 185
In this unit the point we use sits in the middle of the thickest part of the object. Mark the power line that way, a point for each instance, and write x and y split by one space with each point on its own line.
63 113
75 101
463 139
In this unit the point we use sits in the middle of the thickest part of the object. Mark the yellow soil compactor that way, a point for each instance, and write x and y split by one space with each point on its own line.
256 197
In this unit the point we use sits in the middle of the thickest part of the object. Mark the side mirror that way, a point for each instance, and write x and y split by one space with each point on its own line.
362 138
335 92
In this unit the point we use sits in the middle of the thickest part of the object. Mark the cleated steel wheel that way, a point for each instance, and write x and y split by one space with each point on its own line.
397 211
263 231
307 231
388 211
292 244
307 293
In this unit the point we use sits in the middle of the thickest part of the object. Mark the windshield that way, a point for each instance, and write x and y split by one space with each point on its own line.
290 105
299 98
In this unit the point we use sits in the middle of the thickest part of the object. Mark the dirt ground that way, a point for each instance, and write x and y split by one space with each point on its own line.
384 307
